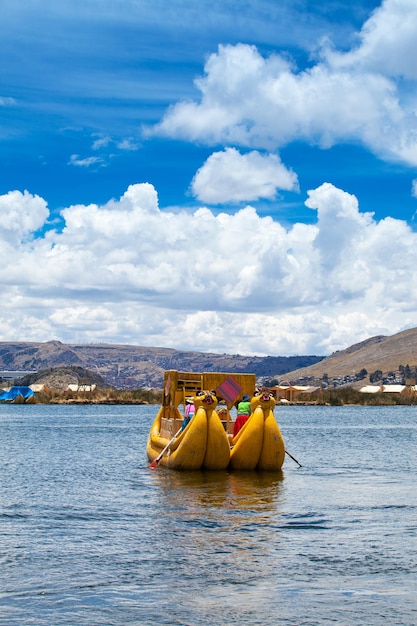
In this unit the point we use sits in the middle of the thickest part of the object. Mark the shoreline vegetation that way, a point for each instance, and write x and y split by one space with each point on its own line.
349 396
333 397
98 396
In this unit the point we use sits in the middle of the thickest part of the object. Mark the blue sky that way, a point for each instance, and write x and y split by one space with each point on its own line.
217 176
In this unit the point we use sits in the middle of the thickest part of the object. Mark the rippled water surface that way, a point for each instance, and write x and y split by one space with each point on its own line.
89 535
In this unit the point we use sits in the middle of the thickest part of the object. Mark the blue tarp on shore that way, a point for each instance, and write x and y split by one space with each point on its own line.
14 392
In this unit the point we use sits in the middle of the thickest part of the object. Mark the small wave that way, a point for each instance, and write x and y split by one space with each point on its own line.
306 522
13 516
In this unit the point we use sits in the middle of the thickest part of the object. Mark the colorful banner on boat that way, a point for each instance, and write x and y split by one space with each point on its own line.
229 389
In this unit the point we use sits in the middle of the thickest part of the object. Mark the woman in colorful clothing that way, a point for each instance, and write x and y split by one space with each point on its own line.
243 413
189 412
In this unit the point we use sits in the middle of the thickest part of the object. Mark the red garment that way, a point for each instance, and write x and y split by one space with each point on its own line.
240 421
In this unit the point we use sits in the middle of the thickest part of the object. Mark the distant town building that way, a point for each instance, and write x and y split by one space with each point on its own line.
77 388
383 388
288 393
15 374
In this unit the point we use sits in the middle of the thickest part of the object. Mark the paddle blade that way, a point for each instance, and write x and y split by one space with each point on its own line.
154 464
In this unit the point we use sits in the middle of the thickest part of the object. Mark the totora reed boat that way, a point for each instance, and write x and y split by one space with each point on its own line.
207 441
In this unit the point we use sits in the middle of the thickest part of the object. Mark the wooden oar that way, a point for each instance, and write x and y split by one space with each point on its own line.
156 461
291 457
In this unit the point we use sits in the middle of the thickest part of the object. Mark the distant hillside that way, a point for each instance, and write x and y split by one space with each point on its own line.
130 367
377 353
60 377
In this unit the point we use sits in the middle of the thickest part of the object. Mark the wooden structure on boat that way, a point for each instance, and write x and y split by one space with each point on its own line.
207 442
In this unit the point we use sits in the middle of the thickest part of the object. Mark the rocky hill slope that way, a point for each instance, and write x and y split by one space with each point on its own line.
130 367
60 377
377 353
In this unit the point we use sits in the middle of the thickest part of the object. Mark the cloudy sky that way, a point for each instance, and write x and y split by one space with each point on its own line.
214 175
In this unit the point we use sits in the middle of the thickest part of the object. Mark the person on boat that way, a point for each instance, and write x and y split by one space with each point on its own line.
243 414
224 416
188 413
222 413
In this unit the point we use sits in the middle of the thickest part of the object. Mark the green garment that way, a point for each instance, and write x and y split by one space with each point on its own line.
243 408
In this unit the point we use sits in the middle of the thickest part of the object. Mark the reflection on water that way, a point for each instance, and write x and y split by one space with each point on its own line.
207 492
219 522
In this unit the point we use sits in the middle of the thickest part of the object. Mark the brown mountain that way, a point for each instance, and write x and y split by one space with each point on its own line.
60 377
377 353
130 367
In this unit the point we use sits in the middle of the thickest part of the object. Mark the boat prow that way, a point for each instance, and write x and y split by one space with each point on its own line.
247 444
217 449
272 454
188 447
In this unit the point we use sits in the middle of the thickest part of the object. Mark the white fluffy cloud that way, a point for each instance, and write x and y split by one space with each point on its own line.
229 176
387 42
21 214
365 95
131 272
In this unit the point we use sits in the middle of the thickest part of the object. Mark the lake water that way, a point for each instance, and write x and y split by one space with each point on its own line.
90 536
